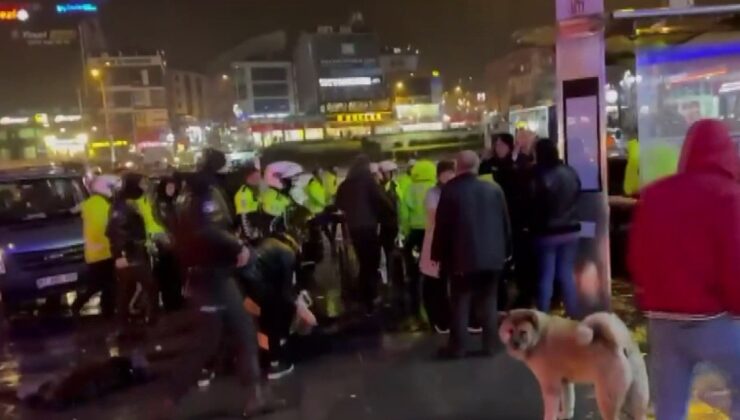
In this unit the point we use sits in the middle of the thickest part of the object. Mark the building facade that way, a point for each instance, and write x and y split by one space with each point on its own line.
338 75
264 88
187 94
135 96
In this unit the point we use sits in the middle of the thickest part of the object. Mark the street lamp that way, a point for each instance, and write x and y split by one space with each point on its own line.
97 75
399 85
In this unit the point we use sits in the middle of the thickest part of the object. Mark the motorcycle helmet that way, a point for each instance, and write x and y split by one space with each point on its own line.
277 173
105 185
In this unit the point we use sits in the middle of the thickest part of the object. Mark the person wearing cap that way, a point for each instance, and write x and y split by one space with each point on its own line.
247 204
100 267
413 224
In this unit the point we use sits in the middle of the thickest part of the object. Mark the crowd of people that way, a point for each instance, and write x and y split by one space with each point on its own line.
461 239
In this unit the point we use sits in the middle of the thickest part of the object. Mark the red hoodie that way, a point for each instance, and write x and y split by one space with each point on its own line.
684 250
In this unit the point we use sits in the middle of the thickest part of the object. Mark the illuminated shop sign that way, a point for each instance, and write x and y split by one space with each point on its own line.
349 81
14 13
104 143
362 117
47 38
67 118
66 8
14 120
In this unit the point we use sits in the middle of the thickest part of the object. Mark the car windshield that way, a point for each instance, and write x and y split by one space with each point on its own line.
25 200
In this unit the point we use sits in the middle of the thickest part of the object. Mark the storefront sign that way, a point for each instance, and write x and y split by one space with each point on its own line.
68 8
14 13
14 120
362 117
51 37
572 9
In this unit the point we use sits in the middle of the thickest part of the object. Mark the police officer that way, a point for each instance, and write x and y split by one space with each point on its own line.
315 194
275 201
206 242
100 267
127 234
247 204
413 224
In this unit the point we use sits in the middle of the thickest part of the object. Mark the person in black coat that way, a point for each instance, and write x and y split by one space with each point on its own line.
471 243
206 242
126 232
555 225
365 206
166 267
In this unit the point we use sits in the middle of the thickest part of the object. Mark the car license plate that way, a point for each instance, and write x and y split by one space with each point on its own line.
45 282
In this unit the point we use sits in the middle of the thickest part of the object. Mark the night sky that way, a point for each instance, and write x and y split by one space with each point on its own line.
455 36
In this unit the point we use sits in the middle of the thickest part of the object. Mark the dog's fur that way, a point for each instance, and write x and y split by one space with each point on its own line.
598 350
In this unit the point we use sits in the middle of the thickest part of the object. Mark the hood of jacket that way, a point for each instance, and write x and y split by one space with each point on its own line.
424 171
709 148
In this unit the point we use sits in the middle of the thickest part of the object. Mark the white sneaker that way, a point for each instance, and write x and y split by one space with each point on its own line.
475 330
440 331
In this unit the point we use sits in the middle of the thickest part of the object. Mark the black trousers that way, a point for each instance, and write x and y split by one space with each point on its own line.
525 273
479 289
413 245
216 311
437 301
366 243
268 282
169 277
139 271
101 278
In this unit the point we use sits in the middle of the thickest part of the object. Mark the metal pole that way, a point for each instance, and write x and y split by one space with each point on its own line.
107 123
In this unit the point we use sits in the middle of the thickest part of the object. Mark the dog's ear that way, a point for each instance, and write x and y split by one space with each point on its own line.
533 318
502 316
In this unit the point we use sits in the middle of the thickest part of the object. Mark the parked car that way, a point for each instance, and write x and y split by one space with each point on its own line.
41 241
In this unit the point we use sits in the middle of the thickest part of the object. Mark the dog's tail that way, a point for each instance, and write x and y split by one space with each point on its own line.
608 329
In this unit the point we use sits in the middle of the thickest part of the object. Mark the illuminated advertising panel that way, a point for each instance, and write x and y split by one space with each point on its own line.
13 13
81 7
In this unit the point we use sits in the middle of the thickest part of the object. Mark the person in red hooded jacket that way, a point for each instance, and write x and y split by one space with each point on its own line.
684 257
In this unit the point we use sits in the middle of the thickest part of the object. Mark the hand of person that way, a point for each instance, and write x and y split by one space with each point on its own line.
121 262
243 258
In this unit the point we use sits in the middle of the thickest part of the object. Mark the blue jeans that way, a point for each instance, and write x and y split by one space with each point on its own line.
676 347
557 259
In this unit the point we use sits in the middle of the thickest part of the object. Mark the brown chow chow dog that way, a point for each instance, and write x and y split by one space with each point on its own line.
598 350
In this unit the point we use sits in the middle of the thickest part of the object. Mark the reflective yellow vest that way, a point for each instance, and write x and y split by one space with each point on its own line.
424 178
274 202
330 185
144 206
245 201
315 196
94 221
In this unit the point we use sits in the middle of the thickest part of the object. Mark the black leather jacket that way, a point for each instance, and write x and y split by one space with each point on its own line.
126 230
204 233
554 200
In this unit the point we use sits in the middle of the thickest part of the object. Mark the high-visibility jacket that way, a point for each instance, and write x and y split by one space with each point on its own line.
632 171
245 201
274 202
423 179
144 206
95 212
315 196
403 181
329 180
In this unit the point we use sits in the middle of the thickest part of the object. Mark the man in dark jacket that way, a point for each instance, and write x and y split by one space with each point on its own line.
166 267
126 232
555 226
207 243
471 243
365 207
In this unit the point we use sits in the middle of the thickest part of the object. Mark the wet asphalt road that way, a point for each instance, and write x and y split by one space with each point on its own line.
354 369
